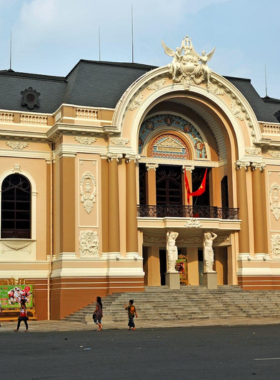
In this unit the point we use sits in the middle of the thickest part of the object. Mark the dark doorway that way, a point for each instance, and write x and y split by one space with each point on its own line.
200 266
162 262
197 177
169 185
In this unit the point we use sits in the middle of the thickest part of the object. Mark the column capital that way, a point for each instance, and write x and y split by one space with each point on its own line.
187 168
111 156
242 164
129 157
258 165
152 166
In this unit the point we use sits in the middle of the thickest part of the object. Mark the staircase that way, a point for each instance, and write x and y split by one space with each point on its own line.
190 302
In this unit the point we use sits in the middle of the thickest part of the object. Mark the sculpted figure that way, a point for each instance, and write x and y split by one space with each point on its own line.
205 69
174 67
172 251
208 251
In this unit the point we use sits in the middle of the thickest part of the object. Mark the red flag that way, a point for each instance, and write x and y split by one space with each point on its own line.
187 187
201 188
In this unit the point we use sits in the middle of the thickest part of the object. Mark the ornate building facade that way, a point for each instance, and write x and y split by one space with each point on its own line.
92 178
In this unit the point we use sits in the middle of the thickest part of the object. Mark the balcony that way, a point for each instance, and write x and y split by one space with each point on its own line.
172 211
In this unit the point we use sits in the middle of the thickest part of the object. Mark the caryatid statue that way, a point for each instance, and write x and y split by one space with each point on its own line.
208 252
172 251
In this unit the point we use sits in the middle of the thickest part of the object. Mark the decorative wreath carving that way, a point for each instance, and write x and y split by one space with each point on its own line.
88 191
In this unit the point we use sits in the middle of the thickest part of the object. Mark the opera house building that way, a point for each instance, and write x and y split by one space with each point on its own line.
97 168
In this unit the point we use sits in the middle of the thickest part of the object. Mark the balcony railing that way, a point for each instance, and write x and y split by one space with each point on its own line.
172 211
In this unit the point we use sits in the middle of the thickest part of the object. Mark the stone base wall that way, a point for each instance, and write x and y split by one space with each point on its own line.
259 282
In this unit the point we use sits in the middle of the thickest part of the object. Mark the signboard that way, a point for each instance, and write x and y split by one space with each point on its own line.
10 296
181 266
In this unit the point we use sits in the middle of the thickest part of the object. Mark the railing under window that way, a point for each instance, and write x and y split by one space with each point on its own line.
187 212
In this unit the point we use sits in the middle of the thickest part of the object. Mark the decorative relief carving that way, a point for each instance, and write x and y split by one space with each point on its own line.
153 239
187 66
274 153
254 151
16 245
89 244
136 102
216 89
193 223
190 240
129 157
119 141
275 245
274 194
236 110
258 165
156 85
88 191
16 169
112 156
242 164
17 144
85 140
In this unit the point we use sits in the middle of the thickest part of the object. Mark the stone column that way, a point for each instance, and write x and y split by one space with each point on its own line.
105 209
67 206
151 184
188 170
259 216
113 204
131 207
242 168
153 266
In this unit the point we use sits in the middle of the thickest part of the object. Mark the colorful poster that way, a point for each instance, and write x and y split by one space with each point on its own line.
10 296
181 266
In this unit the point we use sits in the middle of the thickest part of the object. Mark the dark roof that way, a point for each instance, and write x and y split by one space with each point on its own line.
101 84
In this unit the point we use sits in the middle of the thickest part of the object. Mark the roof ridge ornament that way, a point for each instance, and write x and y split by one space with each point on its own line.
187 66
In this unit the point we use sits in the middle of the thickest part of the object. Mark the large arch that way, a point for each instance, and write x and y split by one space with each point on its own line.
152 87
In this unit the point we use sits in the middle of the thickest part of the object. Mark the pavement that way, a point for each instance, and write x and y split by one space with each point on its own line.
49 326
196 353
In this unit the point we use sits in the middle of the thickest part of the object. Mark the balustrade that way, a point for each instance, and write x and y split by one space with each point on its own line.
178 211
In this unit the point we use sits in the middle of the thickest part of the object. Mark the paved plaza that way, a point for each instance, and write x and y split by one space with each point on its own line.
193 353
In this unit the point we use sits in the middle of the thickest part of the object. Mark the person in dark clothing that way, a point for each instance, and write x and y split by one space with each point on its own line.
22 316
131 314
98 313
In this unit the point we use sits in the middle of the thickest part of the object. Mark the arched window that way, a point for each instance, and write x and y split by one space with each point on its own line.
16 207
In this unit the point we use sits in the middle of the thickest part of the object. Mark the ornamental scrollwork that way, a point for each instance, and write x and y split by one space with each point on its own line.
119 141
17 144
85 140
89 244
236 110
274 153
156 85
216 89
254 151
136 102
88 191
274 194
193 223
275 245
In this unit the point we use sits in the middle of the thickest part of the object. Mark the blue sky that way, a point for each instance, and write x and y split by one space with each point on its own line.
51 36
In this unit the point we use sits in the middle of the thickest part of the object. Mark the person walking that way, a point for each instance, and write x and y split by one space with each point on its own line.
131 314
98 313
23 316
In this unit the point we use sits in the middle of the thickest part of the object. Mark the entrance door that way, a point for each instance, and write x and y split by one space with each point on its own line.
169 185
162 262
